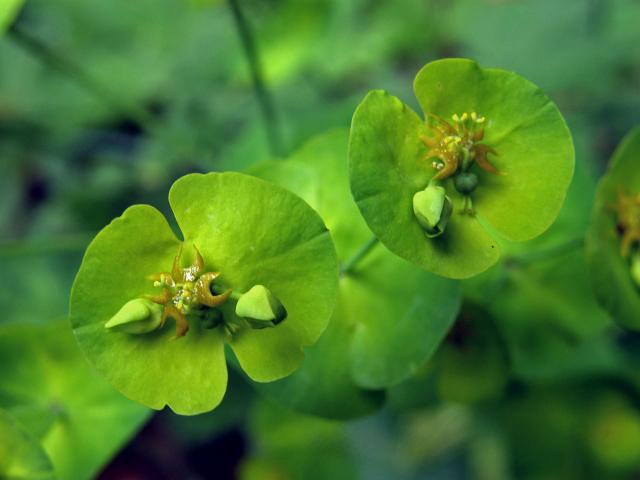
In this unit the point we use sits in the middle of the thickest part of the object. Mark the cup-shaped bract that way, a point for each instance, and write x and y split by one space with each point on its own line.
9 10
390 316
249 232
487 122
611 263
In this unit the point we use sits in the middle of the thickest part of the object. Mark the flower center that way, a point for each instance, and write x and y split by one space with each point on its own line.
454 147
186 290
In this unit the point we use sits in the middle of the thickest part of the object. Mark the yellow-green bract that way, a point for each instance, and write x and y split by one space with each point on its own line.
253 233
611 273
390 316
9 9
518 201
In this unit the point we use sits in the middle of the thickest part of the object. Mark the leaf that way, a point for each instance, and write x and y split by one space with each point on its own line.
388 165
288 445
610 272
390 316
9 10
49 388
472 364
250 231
21 456
562 336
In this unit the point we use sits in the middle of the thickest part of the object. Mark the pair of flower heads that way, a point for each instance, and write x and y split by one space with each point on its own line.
189 292
406 173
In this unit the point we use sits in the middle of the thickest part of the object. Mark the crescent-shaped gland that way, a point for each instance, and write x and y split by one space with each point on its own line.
450 166
176 270
198 263
481 159
203 291
182 325
161 298
442 125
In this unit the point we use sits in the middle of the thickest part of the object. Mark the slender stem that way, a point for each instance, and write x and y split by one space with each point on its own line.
265 99
66 67
45 246
547 253
362 252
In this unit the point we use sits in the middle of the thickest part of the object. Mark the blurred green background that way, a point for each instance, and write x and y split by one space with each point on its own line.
105 104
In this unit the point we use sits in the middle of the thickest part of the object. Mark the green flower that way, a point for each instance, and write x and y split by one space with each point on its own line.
247 232
497 145
186 290
613 240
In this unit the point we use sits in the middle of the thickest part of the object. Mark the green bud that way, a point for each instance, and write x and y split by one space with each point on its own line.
635 268
136 316
260 308
465 182
432 208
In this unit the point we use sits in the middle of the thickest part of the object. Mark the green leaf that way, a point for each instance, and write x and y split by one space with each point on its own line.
289 445
8 12
250 231
50 389
610 272
21 456
388 165
562 336
472 365
390 316
324 385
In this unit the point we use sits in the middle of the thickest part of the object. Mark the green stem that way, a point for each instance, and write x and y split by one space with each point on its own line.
547 253
264 98
363 251
65 67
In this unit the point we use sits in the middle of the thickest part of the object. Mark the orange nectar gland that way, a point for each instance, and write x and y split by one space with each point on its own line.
627 208
455 146
185 289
